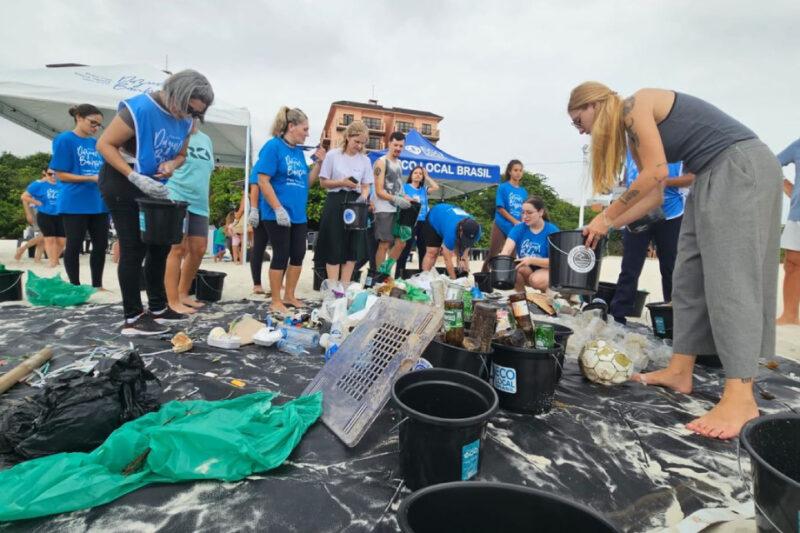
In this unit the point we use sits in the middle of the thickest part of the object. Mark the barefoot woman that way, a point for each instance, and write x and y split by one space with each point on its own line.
726 273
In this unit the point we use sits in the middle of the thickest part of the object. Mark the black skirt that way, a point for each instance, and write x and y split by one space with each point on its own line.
335 245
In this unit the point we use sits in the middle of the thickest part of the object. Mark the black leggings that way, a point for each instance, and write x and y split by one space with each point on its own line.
417 238
288 244
120 197
260 241
75 227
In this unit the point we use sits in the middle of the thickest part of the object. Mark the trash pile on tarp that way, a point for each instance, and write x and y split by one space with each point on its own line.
56 291
77 411
225 440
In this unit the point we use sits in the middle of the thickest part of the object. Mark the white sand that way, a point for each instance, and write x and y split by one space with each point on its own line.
239 285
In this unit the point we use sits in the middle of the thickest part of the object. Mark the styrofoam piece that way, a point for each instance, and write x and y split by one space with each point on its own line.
267 337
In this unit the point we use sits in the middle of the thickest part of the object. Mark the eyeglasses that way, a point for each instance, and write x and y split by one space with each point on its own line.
50 174
577 122
94 123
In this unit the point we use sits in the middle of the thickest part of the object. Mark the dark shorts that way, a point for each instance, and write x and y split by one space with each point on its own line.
384 222
196 225
432 239
50 225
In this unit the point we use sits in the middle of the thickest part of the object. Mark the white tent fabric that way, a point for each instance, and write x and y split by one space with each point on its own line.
38 99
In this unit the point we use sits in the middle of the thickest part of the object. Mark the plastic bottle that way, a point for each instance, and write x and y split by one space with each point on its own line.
288 347
307 338
334 340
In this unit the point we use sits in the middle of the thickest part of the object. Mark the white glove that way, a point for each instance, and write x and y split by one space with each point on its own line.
401 202
253 218
363 199
148 185
282 217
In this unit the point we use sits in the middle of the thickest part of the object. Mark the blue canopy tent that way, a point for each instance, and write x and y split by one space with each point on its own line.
455 176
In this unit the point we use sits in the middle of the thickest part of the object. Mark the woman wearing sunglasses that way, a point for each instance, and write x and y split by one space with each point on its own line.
76 163
144 144
726 273
43 194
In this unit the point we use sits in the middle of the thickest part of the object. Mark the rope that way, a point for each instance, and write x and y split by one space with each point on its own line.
749 490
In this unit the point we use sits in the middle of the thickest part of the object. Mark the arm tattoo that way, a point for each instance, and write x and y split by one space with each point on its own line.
628 196
627 107
747 380
377 171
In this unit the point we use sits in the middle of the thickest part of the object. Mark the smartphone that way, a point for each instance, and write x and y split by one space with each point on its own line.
354 180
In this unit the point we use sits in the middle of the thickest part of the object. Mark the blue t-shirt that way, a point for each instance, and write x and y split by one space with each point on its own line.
47 193
444 219
530 244
511 199
286 166
420 195
77 155
788 156
674 197
190 182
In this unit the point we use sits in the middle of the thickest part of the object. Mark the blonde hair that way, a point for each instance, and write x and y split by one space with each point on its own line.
608 131
285 117
353 129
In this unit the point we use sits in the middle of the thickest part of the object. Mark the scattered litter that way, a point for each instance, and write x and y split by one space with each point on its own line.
246 328
219 338
181 342
238 383
772 365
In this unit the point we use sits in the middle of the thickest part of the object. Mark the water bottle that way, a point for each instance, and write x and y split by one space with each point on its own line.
307 338
293 349
334 340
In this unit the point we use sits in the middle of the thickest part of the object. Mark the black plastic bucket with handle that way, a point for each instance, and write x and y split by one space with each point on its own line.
574 267
161 221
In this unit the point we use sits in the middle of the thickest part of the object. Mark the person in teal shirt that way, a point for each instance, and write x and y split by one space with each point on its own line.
190 184
529 241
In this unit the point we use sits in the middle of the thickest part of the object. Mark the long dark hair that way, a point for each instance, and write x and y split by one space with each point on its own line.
422 183
509 166
538 204
83 111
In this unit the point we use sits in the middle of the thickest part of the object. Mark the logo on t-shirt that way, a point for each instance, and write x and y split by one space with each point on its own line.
530 249
89 160
166 146
198 152
296 172
515 203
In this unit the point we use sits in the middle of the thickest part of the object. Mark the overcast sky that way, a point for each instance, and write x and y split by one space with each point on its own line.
500 73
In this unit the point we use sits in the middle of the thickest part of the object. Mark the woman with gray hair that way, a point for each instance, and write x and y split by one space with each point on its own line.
144 144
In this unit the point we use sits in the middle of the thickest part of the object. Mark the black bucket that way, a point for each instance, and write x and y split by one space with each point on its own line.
574 268
483 280
446 412
10 285
161 221
409 215
443 355
374 278
525 378
773 443
354 215
561 334
193 286
320 273
478 507
209 285
606 291
504 275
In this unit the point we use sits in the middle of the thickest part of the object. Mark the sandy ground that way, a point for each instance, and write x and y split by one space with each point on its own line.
238 284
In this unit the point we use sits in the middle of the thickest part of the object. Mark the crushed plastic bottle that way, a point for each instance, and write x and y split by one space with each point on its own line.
286 346
307 338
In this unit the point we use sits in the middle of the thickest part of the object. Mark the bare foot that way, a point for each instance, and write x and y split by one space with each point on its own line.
278 307
180 308
784 320
726 419
191 302
294 301
19 252
677 380
52 265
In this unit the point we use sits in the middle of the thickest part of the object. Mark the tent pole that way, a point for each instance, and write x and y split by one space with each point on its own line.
246 195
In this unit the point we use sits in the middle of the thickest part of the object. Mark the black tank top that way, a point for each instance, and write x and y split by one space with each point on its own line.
695 132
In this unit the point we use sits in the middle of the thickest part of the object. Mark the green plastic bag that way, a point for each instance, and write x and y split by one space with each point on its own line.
403 233
415 294
56 291
226 440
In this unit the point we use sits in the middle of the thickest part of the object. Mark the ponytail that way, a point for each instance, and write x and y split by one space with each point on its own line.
284 118
83 111
608 132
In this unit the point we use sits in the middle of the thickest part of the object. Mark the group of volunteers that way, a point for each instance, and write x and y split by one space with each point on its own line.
714 187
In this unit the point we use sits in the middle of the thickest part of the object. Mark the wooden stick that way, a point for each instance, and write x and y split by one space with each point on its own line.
12 377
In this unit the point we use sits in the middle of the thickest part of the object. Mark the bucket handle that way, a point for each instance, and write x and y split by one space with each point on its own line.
19 280
209 286
750 490
396 426
550 242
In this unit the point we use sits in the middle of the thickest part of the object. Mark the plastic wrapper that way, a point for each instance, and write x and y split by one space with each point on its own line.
56 291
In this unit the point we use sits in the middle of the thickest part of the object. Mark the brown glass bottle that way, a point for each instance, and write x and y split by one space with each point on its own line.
454 322
522 315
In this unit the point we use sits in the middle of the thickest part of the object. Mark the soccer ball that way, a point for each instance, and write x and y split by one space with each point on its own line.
604 364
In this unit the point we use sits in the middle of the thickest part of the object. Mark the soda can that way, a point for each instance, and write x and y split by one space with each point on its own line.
545 337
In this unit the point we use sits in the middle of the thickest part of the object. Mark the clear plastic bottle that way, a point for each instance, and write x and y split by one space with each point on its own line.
287 346
304 337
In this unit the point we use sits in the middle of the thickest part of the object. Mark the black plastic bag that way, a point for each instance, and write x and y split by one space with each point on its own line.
76 411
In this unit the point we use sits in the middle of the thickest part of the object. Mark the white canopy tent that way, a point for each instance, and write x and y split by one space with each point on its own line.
38 100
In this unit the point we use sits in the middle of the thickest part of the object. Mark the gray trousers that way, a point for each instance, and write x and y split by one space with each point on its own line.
725 281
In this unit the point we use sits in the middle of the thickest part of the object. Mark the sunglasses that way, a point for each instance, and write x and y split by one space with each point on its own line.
50 174
194 113
577 122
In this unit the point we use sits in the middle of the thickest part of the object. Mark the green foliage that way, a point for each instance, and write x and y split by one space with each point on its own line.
15 175
227 186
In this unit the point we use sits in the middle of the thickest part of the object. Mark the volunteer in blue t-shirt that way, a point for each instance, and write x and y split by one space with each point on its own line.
76 163
529 241
790 239
190 184
284 179
143 146
417 187
508 208
452 231
43 194
664 234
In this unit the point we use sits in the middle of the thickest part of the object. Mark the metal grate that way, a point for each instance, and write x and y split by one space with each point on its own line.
357 381
366 369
